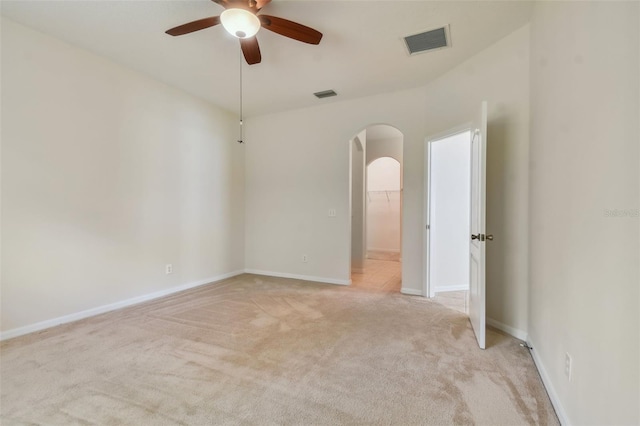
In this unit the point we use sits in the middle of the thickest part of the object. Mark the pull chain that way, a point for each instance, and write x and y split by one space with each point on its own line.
240 140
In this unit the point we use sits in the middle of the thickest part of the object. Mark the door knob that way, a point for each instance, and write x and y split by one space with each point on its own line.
481 237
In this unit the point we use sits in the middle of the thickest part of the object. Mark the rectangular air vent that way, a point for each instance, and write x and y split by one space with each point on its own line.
428 40
325 94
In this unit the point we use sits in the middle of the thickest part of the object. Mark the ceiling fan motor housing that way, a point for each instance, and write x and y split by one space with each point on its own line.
240 19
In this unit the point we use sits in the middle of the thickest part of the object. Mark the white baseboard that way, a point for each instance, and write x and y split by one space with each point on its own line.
298 277
512 331
9 334
444 288
411 291
551 391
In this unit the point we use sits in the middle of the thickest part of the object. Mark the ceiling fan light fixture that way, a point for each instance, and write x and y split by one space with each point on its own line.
240 22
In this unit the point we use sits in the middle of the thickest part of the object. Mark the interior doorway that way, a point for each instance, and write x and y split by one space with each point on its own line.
383 209
448 195
376 208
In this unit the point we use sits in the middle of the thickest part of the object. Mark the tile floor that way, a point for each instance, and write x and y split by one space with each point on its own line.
383 255
383 272
379 275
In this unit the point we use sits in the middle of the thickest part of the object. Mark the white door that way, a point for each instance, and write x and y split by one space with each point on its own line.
477 294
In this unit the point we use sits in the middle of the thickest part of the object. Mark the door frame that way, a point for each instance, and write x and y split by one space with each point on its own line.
427 288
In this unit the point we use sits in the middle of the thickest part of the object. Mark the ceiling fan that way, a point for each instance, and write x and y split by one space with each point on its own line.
240 18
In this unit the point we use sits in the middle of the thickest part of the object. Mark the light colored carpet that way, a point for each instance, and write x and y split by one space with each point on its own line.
264 351
457 300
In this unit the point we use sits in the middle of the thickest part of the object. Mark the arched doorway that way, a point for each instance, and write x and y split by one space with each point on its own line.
376 208
383 209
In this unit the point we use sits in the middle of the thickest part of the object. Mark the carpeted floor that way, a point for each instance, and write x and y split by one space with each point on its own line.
255 350
457 300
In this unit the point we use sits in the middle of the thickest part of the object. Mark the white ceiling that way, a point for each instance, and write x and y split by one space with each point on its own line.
361 53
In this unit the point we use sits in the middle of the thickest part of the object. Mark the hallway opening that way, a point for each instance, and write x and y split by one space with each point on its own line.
376 209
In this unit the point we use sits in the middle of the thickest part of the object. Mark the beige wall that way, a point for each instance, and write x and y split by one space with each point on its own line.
107 176
584 163
297 166
384 147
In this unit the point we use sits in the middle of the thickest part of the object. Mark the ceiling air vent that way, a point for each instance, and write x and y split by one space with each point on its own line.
325 94
428 40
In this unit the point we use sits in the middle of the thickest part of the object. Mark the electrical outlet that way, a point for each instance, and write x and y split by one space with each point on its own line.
567 366
305 258
332 212
168 269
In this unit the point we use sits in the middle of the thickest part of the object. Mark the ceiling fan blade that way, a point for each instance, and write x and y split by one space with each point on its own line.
290 29
251 50
190 27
